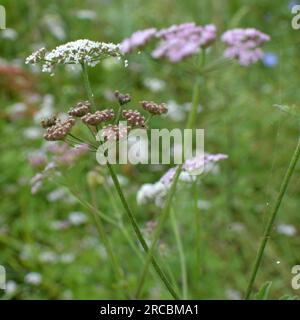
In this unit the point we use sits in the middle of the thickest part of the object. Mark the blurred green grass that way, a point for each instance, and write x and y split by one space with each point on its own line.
239 120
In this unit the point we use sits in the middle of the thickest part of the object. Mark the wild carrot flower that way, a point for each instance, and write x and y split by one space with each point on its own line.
75 52
137 39
244 45
184 40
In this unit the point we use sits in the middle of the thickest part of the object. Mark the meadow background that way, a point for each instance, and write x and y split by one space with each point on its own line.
48 243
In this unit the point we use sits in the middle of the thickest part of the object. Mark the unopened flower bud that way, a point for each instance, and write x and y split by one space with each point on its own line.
122 98
81 109
154 108
134 118
96 118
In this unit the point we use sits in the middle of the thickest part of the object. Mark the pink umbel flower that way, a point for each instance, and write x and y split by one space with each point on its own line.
184 40
206 161
137 40
244 45
59 155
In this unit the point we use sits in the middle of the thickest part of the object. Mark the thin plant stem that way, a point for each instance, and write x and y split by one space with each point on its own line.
196 93
181 255
89 92
92 208
190 124
157 232
139 233
117 269
119 114
87 85
128 211
129 238
97 216
198 228
195 104
269 225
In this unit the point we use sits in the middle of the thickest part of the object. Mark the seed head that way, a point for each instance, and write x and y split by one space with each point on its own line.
96 118
81 109
154 108
134 118
122 98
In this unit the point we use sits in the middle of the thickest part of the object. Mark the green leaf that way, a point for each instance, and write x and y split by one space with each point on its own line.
263 292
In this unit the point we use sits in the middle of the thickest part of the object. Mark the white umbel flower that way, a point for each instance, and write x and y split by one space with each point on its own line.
75 52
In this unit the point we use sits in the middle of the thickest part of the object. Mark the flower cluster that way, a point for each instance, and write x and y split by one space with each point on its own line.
154 108
81 109
181 41
137 39
134 118
177 41
205 163
184 40
36 56
114 132
59 130
243 45
75 52
50 158
157 191
98 117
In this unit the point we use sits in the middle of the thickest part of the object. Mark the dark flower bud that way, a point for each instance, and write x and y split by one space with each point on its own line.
122 98
46 123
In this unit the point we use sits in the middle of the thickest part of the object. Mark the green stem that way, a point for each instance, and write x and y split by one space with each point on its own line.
117 269
198 228
268 229
139 233
125 204
87 85
196 93
181 255
195 104
162 220
190 124
119 114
